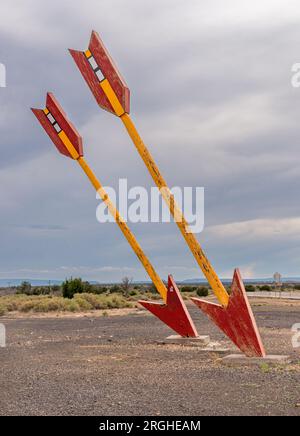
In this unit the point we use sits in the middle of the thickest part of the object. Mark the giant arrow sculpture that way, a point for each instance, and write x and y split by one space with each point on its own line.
234 316
68 142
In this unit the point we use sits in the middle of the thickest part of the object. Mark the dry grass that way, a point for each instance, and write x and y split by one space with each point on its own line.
80 303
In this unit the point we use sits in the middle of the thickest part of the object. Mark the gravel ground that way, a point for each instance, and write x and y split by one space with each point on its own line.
99 365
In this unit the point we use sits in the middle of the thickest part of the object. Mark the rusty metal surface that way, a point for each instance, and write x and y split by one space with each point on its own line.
237 320
174 313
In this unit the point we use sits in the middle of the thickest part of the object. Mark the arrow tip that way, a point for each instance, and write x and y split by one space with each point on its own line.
174 313
236 320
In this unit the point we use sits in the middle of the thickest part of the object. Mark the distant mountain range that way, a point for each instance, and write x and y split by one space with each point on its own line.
256 280
5 283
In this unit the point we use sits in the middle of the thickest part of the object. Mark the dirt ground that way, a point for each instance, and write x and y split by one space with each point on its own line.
112 365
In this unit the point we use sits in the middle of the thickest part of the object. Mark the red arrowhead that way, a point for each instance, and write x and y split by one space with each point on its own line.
237 320
174 313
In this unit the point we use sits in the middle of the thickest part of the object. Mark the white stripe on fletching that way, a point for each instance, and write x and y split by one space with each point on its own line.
100 75
57 128
93 63
51 118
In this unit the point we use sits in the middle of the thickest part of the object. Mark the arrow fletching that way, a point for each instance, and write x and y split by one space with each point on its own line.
59 128
97 67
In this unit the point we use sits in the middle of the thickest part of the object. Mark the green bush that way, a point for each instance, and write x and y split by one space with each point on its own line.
250 288
202 291
24 288
267 288
115 288
297 287
74 286
98 290
188 288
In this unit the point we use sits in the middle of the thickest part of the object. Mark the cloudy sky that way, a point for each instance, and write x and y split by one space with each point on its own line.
212 97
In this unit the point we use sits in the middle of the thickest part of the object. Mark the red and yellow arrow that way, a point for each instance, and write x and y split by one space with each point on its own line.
69 142
113 95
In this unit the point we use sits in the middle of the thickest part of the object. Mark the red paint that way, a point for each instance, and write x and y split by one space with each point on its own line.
91 79
174 313
60 116
237 320
108 69
39 113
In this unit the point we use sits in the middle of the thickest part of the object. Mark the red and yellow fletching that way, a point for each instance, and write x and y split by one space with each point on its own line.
96 66
58 127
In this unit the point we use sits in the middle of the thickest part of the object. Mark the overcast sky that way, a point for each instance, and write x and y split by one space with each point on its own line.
211 95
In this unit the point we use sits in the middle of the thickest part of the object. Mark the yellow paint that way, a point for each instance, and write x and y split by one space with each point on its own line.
69 146
88 54
189 237
113 99
158 283
46 111
179 218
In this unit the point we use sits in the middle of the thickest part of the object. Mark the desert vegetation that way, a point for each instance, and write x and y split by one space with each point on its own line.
76 295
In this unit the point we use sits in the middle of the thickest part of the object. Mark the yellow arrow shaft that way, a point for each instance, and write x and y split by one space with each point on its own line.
158 283
189 237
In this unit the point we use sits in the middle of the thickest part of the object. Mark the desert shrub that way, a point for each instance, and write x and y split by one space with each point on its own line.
82 302
41 306
71 306
267 288
24 288
56 289
202 291
2 310
250 288
126 285
27 306
297 287
115 288
43 290
98 290
188 288
96 301
73 286
152 289
12 305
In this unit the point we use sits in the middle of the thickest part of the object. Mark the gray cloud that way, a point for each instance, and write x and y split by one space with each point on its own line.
211 95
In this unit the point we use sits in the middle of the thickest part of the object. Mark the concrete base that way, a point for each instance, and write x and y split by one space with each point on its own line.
240 359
